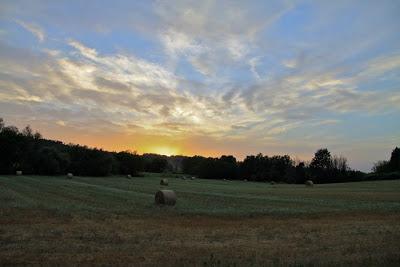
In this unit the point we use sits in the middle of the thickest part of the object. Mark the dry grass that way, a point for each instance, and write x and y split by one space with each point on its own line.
45 237
114 221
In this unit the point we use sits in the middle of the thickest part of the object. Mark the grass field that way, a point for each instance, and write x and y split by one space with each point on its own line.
113 221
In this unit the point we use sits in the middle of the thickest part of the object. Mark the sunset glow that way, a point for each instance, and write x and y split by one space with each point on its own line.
164 150
206 77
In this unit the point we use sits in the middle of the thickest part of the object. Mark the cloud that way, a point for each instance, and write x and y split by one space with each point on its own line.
291 63
219 70
85 51
214 35
127 88
34 29
121 89
253 67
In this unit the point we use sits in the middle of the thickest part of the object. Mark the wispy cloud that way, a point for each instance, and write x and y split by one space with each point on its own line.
227 74
34 29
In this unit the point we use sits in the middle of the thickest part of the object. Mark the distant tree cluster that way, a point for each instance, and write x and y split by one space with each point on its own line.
387 170
323 168
30 153
265 168
393 165
155 163
27 151
224 167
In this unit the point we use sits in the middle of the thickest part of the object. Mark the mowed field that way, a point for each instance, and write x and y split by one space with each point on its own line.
114 221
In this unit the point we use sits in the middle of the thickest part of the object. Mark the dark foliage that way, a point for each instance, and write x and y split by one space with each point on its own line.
29 152
382 176
320 167
224 167
128 163
155 163
393 165
49 160
90 162
264 168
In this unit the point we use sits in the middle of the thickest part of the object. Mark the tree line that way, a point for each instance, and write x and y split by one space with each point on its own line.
30 153
323 168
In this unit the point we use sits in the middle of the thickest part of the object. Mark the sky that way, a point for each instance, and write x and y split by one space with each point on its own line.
206 77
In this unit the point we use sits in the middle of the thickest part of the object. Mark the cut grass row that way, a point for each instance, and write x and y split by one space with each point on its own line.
136 196
113 221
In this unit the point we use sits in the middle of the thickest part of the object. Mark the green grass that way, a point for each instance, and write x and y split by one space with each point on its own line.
135 196
113 221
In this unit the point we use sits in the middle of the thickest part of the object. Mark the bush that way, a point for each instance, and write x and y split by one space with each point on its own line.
128 163
50 161
382 176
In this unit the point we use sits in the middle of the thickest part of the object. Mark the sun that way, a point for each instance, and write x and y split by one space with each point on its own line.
165 150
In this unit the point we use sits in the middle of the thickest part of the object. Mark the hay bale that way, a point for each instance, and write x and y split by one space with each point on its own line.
164 181
165 197
70 175
193 178
309 183
129 176
18 172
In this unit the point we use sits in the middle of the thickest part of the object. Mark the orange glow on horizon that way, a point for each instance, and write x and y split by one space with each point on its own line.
163 150
158 144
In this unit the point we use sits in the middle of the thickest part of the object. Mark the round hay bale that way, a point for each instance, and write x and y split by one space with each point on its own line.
309 183
18 172
164 181
129 176
165 197
69 175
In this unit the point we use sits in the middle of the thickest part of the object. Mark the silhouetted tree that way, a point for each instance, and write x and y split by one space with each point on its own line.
395 160
320 166
392 165
339 163
29 152
321 160
11 150
381 166
27 131
50 161
90 162
155 163
301 173
129 162
191 165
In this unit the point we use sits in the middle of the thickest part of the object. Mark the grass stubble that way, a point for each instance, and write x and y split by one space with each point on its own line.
37 234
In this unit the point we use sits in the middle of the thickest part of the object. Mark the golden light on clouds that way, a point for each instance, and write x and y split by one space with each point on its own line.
206 84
